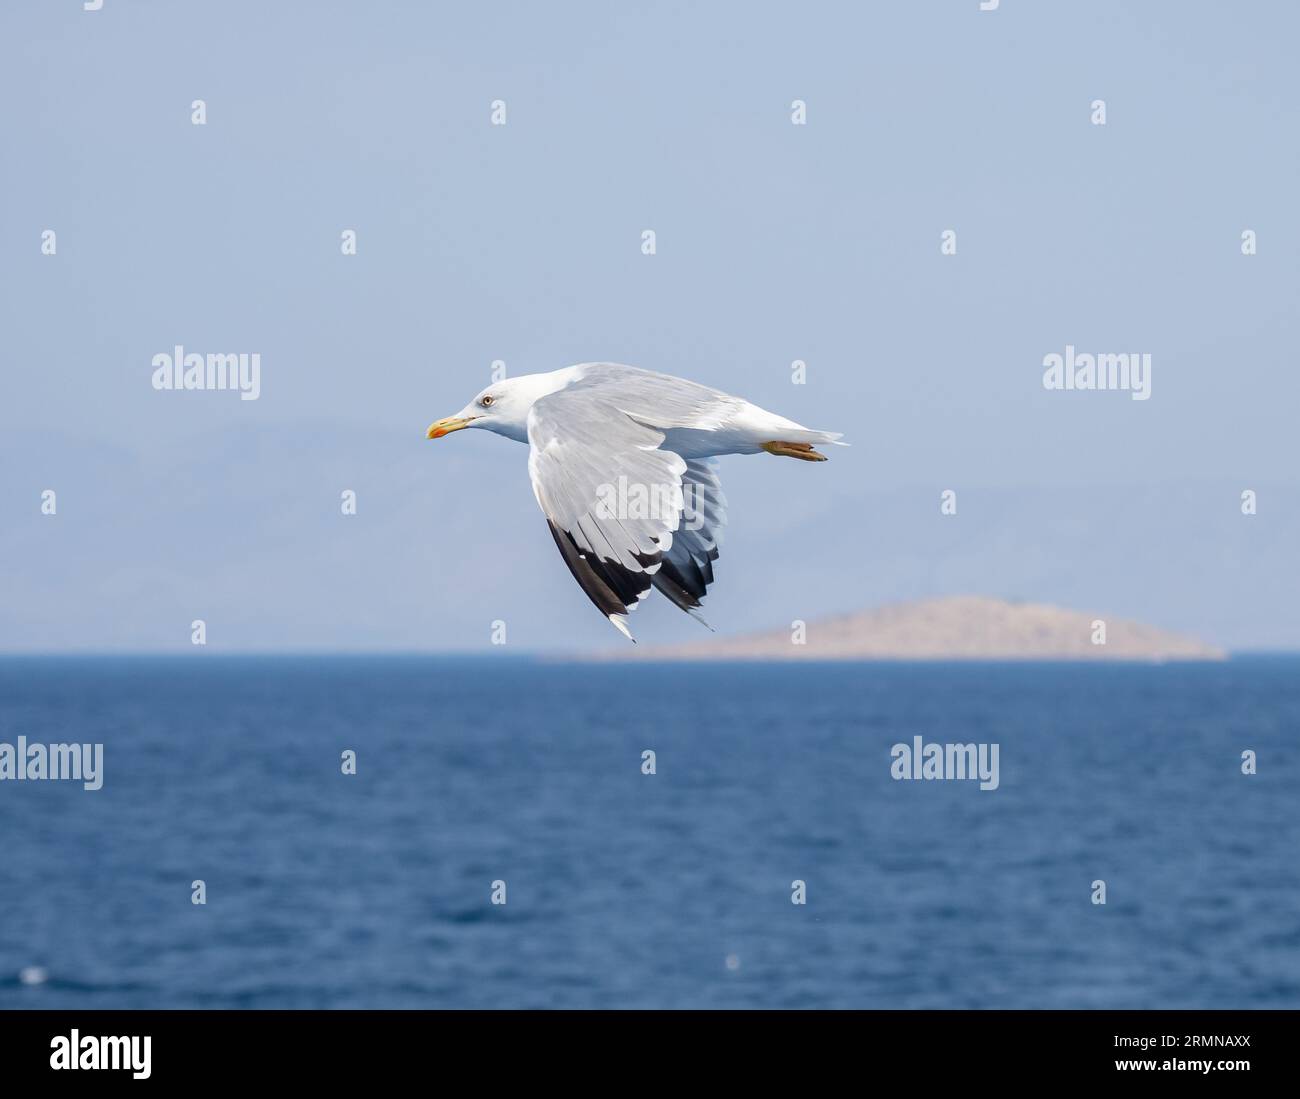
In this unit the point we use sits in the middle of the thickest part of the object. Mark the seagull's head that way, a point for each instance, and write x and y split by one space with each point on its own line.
502 407
498 408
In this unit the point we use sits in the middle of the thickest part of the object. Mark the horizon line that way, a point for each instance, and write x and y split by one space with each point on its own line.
602 656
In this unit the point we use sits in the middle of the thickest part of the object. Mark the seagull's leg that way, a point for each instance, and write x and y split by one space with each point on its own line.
803 451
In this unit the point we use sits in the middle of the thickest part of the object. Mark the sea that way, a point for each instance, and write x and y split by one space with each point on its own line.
432 832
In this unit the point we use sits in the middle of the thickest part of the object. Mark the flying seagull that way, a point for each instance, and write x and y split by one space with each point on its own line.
622 464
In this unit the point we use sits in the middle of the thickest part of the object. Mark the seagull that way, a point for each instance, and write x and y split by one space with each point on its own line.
622 462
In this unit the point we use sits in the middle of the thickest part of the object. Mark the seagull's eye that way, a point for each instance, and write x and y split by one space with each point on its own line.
487 401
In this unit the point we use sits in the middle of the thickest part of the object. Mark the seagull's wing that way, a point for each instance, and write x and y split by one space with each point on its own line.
612 498
687 568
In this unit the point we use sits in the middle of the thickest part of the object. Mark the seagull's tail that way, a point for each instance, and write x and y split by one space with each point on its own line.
831 438
797 442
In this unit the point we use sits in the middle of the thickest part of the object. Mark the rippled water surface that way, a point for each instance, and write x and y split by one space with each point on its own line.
373 890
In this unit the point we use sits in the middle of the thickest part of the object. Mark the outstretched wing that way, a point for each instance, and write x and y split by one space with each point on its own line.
612 498
687 568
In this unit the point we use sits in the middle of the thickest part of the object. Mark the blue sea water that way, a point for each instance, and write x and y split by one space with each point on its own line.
664 890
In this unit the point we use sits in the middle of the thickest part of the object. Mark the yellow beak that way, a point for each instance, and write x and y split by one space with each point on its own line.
439 428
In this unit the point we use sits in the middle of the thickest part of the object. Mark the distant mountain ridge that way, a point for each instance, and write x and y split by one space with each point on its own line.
963 627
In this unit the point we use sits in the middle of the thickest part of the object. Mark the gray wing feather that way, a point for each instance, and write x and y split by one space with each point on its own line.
687 568
611 496
657 400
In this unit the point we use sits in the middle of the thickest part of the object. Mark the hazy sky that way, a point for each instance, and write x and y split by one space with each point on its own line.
522 243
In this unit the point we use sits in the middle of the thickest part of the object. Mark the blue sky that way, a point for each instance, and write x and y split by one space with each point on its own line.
521 243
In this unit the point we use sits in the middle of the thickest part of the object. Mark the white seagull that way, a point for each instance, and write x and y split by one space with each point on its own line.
621 461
